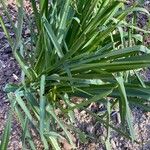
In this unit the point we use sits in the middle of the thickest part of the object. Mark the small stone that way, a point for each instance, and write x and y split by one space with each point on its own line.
2 35
113 144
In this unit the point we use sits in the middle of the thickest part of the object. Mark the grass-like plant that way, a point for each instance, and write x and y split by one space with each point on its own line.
83 48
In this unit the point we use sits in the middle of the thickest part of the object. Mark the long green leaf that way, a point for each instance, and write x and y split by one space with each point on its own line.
50 110
6 134
124 107
53 37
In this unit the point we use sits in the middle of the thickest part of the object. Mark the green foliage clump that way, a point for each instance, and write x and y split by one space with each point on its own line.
83 48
